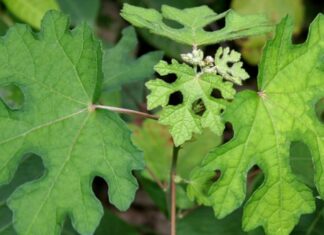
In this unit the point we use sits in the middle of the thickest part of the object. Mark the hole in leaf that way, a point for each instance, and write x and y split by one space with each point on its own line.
100 189
229 64
228 132
299 38
319 109
217 25
12 96
175 98
216 93
221 111
198 107
172 23
255 178
217 176
301 162
170 78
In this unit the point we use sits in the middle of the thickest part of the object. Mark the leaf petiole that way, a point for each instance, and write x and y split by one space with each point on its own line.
125 111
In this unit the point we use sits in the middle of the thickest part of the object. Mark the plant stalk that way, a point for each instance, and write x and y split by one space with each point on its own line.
173 173
126 111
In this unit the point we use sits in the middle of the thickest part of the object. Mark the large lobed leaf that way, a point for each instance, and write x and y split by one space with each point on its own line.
59 73
192 22
290 83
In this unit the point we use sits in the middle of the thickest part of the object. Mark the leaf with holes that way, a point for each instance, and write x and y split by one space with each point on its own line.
227 64
192 21
290 83
196 108
59 73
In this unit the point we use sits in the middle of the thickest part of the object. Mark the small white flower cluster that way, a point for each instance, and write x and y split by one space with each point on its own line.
196 57
226 63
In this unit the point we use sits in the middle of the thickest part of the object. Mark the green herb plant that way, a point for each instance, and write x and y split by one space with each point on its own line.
61 78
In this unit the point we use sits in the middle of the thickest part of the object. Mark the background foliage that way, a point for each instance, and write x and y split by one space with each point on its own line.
126 53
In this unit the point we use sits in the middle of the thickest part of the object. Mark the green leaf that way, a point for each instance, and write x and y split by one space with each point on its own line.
31 11
265 123
275 10
29 169
202 222
235 72
170 48
111 224
120 66
59 72
81 10
301 163
198 108
192 22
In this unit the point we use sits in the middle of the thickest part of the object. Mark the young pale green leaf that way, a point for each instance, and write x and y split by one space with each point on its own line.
233 72
192 21
198 109
120 67
59 72
31 11
265 123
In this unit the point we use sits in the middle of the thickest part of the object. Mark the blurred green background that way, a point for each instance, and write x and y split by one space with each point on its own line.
134 53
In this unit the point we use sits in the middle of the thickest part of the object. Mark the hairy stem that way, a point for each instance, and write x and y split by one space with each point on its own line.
173 173
126 111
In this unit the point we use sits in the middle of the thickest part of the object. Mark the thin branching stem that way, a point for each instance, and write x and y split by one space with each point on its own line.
126 111
156 179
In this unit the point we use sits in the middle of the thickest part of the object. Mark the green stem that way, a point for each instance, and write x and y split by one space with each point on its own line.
173 173
316 220
123 110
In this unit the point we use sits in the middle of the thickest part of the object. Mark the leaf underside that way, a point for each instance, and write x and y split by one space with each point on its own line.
191 22
290 82
59 73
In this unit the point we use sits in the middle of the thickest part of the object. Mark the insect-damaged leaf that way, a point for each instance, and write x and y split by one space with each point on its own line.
290 83
59 73
198 109
192 22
